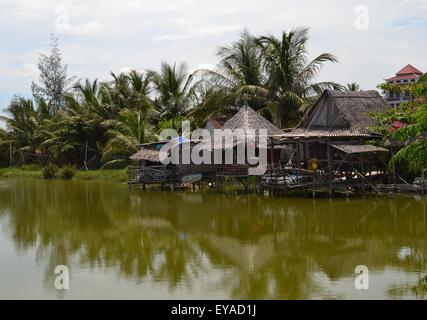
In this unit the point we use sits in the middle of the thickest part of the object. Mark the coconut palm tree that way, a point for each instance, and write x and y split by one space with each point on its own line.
291 76
272 74
175 91
352 87
131 129
238 77
23 124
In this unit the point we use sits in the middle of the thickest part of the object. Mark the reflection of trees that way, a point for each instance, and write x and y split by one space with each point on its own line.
418 289
263 247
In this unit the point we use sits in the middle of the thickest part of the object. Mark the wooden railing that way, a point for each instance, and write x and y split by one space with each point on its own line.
152 174
232 170
278 175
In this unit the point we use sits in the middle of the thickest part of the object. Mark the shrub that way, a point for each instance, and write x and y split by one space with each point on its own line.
67 172
50 171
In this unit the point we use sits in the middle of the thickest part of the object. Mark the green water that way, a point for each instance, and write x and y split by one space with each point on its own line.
161 245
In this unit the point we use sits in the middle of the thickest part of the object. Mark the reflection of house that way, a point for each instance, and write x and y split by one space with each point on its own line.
407 75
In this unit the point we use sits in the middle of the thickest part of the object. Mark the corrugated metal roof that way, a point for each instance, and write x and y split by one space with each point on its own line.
358 148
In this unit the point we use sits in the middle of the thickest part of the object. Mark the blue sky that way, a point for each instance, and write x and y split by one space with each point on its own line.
100 36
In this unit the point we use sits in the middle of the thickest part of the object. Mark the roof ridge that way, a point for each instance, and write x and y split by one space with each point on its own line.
409 69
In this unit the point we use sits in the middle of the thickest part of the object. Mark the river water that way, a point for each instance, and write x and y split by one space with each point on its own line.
131 244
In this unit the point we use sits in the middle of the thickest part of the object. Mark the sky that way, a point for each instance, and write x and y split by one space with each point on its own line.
372 39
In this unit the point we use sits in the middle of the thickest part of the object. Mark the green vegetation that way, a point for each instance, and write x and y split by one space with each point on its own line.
405 127
19 172
50 171
352 87
67 172
116 175
100 124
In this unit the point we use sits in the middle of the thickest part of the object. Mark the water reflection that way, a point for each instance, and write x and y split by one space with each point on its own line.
249 247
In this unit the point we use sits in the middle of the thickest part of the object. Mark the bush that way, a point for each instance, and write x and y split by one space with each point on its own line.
49 172
67 172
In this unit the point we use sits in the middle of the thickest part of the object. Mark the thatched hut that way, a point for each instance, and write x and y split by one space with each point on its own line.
151 169
332 136
149 153
248 120
338 114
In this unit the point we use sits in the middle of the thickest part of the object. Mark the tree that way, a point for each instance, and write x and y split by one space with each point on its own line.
175 91
238 78
53 80
129 131
272 74
23 124
290 74
353 87
406 125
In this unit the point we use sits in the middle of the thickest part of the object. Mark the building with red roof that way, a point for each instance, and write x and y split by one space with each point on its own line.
407 75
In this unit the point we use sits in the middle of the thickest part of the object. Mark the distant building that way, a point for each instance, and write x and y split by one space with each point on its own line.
214 123
407 75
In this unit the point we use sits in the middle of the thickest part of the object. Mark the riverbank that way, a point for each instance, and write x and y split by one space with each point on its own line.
112 175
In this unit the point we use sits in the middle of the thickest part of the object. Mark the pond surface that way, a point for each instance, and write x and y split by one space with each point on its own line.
138 244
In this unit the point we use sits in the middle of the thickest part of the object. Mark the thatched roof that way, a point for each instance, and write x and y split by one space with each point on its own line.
148 154
247 119
341 114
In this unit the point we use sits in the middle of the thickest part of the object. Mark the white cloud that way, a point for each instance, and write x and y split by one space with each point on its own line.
100 36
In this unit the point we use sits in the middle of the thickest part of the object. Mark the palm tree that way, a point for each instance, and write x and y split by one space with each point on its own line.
353 87
175 91
129 131
23 124
290 74
239 77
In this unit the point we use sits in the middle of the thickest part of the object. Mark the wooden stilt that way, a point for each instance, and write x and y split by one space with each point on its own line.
314 186
362 169
394 173
329 153
423 181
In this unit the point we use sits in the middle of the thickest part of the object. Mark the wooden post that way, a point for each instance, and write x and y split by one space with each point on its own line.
85 163
423 181
394 172
10 154
272 151
298 161
329 153
362 169
314 188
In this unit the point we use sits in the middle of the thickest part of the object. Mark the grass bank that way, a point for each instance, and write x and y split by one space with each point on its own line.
113 175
